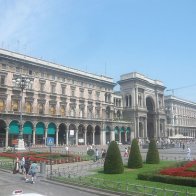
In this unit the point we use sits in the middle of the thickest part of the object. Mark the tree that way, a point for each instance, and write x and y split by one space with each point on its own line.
152 154
135 158
113 162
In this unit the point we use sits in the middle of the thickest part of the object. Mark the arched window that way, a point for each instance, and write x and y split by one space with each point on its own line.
15 106
28 107
2 106
62 110
139 100
41 108
52 110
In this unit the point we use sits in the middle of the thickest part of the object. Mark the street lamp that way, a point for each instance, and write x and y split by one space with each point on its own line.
22 82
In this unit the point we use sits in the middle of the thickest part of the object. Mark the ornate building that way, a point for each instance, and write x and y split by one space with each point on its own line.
143 100
80 108
72 106
181 116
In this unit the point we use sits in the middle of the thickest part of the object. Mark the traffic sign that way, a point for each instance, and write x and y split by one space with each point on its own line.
50 141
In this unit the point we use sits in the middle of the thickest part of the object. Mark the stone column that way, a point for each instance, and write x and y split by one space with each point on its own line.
93 137
76 137
103 137
158 127
57 137
67 137
46 134
34 130
6 137
85 132
137 127
125 135
112 135
120 136
136 96
145 129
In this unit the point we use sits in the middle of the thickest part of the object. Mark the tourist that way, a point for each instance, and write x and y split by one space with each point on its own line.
188 153
96 154
126 153
16 166
33 171
22 163
27 167
67 150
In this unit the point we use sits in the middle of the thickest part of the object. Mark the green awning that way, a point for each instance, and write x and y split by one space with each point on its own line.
122 129
51 129
107 129
116 130
128 129
39 129
14 127
27 128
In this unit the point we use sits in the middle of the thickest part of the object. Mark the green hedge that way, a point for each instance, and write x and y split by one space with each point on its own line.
156 177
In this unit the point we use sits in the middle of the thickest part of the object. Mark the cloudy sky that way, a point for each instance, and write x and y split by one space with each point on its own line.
111 37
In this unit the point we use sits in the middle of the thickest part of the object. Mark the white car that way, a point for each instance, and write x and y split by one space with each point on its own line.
20 193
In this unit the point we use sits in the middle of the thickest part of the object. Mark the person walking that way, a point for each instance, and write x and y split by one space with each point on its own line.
33 171
27 167
126 152
16 166
67 150
188 153
96 154
22 163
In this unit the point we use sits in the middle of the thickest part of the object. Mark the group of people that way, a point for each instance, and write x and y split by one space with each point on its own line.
26 167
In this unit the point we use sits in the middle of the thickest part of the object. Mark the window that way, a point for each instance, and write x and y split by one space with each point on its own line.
41 108
42 87
2 106
72 91
52 110
2 80
4 66
90 94
72 112
98 95
53 77
15 106
53 89
28 107
81 112
30 72
139 100
62 110
63 90
81 93
97 114
18 70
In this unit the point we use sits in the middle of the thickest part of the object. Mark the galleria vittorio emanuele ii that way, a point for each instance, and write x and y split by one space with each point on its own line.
40 99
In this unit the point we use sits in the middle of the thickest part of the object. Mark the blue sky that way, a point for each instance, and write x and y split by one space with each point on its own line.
154 37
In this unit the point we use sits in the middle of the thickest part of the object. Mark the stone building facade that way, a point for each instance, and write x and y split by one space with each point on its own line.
143 100
181 116
72 106
79 108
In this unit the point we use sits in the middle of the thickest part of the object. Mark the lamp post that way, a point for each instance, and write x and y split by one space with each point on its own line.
22 82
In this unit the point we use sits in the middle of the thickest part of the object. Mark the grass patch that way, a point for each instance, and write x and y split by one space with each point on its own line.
129 182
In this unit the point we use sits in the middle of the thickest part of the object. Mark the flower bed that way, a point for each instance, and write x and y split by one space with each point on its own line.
54 158
187 170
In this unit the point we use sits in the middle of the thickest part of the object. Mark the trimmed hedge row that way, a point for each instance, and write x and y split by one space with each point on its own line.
156 177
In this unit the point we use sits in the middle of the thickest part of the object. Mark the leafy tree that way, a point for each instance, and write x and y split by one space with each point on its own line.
135 158
113 162
152 154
